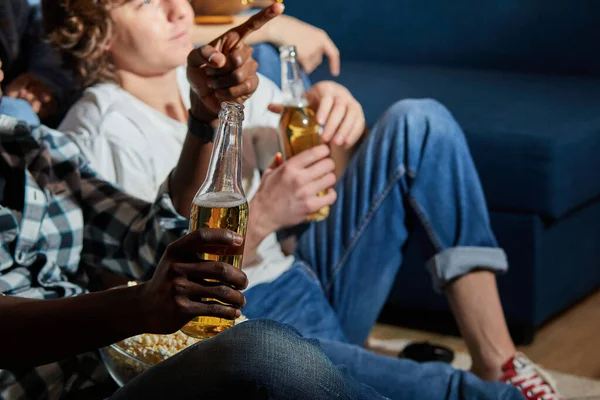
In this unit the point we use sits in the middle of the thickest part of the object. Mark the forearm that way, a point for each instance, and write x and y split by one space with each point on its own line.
101 279
202 34
257 230
36 332
189 173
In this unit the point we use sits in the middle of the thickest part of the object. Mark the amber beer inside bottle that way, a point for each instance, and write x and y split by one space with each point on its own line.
298 126
220 203
224 211
300 131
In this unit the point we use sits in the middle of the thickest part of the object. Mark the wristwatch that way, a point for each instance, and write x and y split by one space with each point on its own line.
203 131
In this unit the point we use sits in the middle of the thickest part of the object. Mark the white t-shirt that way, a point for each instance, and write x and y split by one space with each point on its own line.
136 146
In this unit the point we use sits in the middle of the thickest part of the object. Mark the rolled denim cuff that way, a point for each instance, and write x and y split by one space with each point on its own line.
455 262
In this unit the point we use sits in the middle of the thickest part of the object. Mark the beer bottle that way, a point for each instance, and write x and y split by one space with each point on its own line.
298 126
221 203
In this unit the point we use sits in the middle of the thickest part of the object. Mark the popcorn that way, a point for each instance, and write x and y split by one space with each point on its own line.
155 348
150 348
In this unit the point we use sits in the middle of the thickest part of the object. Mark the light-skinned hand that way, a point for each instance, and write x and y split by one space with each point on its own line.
289 191
340 114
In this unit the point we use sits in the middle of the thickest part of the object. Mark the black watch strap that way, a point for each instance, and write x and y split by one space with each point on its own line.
203 131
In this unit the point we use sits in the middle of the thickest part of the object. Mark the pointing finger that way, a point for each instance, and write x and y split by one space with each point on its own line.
258 20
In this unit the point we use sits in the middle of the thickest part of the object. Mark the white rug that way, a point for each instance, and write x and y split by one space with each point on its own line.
570 386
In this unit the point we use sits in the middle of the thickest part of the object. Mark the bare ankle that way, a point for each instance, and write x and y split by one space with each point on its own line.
487 374
489 368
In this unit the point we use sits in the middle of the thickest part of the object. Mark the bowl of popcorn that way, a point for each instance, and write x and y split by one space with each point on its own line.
135 355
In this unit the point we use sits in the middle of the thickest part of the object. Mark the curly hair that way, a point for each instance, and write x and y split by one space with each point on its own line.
81 31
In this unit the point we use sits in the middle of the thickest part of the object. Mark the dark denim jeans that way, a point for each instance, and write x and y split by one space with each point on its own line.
254 360
413 176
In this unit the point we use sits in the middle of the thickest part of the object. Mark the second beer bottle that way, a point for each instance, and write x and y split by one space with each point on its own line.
299 127
221 203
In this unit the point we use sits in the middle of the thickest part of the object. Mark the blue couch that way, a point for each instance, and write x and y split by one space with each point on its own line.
523 80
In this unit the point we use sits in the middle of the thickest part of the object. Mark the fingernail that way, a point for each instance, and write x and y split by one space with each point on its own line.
238 313
211 57
237 240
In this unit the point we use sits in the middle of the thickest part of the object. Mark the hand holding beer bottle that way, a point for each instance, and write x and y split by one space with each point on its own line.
289 191
340 114
299 128
174 294
337 111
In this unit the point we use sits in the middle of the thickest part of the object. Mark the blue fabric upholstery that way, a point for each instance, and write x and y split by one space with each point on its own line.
557 36
535 139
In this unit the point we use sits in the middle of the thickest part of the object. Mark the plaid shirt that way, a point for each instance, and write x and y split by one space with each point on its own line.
70 219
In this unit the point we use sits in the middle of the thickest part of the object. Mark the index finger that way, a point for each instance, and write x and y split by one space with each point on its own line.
310 156
333 55
206 240
258 20
276 108
204 56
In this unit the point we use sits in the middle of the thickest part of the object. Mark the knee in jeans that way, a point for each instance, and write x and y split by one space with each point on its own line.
425 118
272 351
254 331
417 108
258 337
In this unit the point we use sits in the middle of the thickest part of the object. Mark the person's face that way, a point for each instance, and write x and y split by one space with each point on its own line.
151 37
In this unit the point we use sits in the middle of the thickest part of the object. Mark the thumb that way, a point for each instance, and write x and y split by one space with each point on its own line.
276 108
277 161
206 55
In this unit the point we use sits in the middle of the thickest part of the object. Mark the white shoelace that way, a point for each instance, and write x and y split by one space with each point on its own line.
534 379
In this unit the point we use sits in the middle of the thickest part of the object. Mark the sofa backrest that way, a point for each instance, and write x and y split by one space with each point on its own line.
543 36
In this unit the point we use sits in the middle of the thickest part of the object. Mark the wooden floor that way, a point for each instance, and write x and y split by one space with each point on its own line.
569 343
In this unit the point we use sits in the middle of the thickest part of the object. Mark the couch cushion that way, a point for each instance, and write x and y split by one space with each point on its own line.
557 36
535 139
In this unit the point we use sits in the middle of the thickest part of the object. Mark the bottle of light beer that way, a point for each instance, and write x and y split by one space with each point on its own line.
298 126
221 203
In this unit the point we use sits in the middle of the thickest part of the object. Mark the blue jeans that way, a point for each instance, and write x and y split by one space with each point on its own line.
19 109
412 176
253 360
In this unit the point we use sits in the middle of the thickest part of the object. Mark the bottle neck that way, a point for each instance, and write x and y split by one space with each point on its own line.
291 82
225 167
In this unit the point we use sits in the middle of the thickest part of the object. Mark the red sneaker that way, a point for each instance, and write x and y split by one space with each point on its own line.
529 378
